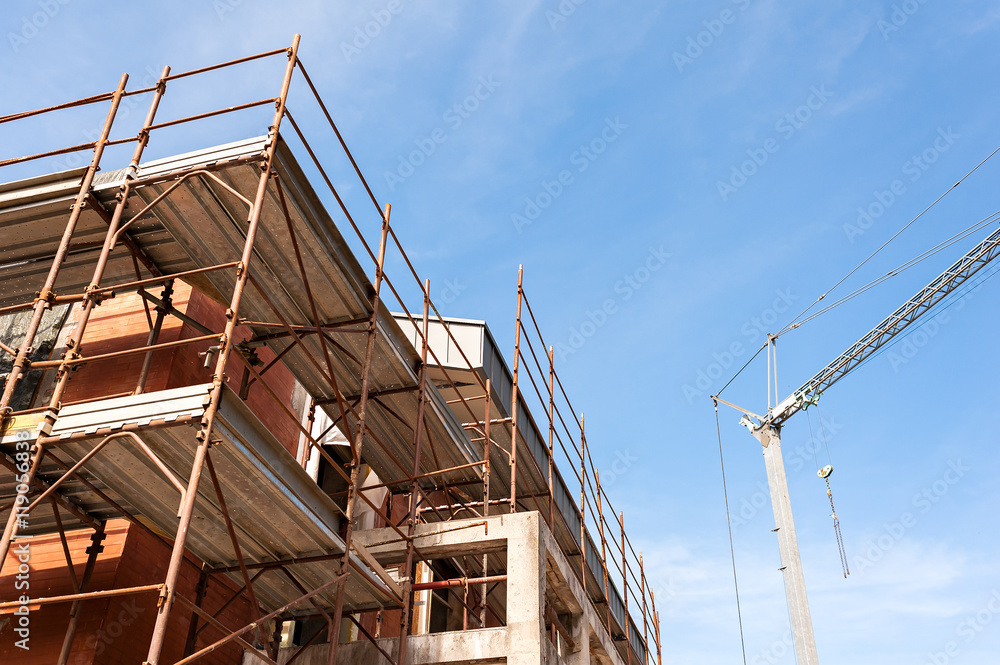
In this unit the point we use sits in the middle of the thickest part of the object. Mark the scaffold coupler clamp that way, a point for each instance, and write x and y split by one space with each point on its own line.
93 293
46 295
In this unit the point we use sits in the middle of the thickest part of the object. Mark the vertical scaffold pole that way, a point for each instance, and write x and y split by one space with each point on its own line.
306 452
583 506
604 553
628 621
93 552
168 595
92 297
154 335
200 591
359 438
656 629
42 303
514 395
487 449
645 631
411 526
552 427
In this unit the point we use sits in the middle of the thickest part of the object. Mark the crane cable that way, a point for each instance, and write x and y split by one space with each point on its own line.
836 530
829 492
986 221
824 473
745 365
729 523
895 271
894 236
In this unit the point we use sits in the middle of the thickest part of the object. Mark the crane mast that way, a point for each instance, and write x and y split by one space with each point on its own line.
767 429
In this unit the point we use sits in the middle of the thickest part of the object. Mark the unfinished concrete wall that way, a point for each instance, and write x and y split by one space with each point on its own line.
540 585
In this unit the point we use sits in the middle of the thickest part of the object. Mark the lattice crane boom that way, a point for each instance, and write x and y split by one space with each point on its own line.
941 287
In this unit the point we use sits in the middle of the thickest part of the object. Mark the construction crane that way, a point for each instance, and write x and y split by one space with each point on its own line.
767 429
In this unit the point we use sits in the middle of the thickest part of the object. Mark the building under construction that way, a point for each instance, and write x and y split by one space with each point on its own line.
227 438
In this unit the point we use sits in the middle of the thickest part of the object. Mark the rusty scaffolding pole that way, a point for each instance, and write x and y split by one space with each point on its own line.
352 488
75 611
41 304
411 522
514 398
168 594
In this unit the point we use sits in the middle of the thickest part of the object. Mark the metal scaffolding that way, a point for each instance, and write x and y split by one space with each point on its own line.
444 446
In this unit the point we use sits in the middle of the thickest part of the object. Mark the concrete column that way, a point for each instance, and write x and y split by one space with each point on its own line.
526 591
580 628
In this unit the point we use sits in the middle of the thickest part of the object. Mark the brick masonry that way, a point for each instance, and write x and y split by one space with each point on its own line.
116 631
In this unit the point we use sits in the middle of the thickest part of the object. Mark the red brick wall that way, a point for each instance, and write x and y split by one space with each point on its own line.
49 576
116 630
144 561
187 367
120 323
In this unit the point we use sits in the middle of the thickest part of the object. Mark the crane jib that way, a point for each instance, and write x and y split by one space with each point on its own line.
943 285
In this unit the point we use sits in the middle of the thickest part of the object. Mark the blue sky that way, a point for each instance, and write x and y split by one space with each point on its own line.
626 125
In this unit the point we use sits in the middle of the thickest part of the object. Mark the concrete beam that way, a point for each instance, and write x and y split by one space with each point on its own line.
441 539
480 646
